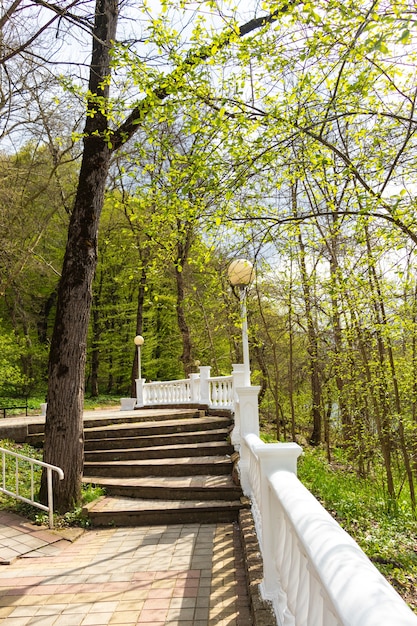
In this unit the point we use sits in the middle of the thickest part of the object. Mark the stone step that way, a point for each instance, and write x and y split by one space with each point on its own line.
144 429
97 419
170 487
211 448
169 439
116 511
185 466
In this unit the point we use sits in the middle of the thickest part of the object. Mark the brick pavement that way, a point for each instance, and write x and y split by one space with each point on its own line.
182 575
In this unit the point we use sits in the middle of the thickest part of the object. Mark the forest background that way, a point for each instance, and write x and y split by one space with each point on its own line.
292 145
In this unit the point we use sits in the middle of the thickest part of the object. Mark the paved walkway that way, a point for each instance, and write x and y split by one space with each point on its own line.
184 575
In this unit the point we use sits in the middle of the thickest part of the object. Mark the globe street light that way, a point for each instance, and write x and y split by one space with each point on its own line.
139 341
241 275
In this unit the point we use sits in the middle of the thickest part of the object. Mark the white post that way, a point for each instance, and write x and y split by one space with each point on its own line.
272 457
238 381
194 388
140 399
249 412
245 340
204 384
249 423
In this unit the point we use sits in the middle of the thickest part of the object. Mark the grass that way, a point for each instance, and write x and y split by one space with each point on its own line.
35 401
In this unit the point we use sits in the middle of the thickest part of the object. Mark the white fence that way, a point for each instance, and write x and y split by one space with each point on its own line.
170 392
7 489
215 392
314 573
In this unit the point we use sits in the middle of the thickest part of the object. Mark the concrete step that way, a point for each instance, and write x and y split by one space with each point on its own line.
169 439
185 466
97 419
202 487
144 429
211 448
115 511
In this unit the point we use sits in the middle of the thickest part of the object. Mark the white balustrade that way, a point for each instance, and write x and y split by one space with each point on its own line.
315 574
167 392
215 392
221 394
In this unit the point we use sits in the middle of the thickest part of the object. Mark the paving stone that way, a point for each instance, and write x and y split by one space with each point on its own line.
123 577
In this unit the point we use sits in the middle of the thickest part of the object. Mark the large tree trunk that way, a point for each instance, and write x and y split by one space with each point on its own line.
64 421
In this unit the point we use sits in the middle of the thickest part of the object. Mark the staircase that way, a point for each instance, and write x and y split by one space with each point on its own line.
166 467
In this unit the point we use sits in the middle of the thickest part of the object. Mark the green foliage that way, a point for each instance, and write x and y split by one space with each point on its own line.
12 379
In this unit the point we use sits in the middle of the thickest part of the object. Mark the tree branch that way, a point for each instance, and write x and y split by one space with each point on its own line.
194 58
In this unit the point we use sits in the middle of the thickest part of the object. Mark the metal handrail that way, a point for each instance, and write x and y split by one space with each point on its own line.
15 494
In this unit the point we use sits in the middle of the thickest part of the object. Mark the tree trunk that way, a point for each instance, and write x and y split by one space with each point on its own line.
313 352
186 356
44 313
64 437
183 249
337 329
291 362
312 349
95 354
383 322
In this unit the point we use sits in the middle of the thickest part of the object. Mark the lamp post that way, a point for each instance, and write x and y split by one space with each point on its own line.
139 341
240 274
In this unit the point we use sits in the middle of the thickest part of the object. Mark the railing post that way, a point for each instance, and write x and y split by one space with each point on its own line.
249 424
195 388
140 392
249 412
204 384
238 374
50 497
272 458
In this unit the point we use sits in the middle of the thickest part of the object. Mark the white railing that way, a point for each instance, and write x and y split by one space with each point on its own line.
7 489
315 574
167 392
221 394
215 392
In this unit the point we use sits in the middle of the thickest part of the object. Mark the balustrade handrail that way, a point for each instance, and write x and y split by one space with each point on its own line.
156 383
217 393
15 494
314 572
